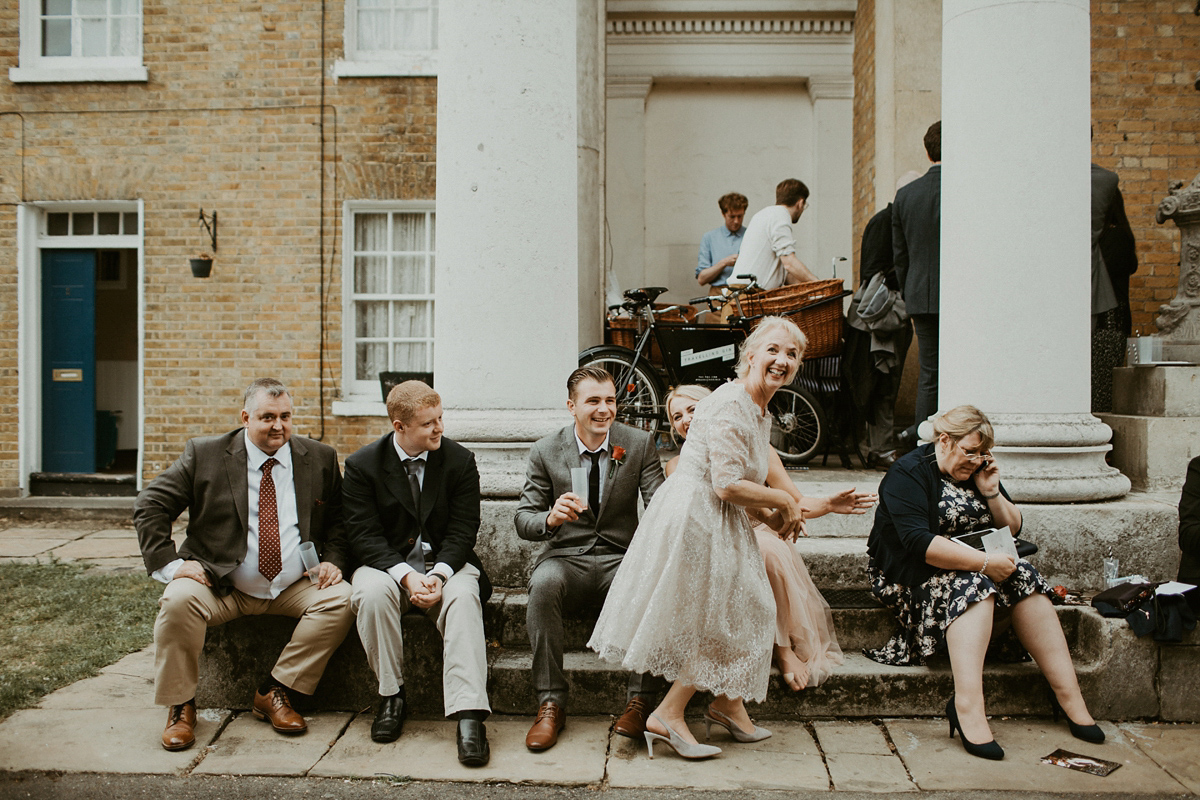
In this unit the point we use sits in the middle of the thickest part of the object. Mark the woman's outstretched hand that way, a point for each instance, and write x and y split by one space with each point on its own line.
849 501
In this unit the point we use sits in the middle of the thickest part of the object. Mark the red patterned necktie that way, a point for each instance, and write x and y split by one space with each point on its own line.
269 560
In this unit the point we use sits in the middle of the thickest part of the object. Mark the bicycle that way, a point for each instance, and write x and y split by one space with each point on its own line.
698 353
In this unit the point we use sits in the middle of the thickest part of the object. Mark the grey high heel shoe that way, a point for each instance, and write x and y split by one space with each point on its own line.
677 743
714 717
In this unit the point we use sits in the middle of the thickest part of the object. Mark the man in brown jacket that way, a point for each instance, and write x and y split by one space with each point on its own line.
253 496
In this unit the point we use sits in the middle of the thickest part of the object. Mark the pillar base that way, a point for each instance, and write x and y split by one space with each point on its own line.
1054 458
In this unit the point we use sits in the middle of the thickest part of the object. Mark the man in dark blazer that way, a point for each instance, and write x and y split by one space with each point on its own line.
586 538
253 496
917 253
412 516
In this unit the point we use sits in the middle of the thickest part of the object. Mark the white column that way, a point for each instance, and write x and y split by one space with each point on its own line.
832 184
625 178
1015 263
508 227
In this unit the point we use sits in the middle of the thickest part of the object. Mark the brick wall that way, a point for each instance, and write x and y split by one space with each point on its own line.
864 123
1146 113
237 117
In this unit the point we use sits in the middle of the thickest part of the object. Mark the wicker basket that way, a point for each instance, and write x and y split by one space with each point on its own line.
822 325
624 331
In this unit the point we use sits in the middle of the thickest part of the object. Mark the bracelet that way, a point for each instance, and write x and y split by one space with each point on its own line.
991 496
986 558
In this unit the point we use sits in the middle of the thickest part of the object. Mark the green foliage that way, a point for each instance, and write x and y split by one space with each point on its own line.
59 624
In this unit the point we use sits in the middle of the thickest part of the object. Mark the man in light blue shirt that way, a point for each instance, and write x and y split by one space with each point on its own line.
719 247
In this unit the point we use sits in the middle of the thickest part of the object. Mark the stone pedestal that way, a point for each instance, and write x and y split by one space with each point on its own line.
1156 424
1015 263
1179 321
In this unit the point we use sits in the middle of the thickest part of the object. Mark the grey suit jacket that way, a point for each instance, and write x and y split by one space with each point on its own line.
917 241
209 480
548 475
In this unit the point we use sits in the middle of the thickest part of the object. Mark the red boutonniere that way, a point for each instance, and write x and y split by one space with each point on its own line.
617 458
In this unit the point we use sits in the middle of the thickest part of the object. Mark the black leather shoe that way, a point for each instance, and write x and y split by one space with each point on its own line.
905 441
881 461
473 748
389 720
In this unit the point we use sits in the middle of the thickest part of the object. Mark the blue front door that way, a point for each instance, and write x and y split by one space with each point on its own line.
68 361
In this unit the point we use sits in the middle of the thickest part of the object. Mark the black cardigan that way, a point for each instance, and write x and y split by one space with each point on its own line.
906 519
1189 525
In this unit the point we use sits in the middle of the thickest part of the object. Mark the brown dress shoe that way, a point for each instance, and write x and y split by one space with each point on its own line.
276 708
180 733
633 722
550 720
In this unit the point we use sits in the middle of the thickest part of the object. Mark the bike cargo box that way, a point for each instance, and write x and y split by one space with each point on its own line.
624 331
821 322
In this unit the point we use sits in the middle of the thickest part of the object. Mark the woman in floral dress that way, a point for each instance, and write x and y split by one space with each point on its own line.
947 596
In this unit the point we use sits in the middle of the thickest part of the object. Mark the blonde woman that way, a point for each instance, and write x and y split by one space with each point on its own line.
948 598
806 650
691 601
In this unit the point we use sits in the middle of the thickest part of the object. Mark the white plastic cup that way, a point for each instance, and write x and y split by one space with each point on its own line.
1110 572
312 563
579 483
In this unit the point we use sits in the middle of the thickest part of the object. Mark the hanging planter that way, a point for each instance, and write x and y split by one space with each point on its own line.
201 265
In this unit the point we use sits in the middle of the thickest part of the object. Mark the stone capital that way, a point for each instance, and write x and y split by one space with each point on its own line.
636 86
831 87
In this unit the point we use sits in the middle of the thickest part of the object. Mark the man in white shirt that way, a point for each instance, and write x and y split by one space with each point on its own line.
769 246
412 516
254 495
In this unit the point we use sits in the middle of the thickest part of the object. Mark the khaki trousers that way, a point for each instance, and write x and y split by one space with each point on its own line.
188 609
378 601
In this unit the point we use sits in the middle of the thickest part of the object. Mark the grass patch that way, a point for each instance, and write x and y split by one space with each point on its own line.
59 624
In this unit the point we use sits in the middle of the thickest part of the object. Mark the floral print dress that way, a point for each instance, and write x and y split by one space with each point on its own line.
924 612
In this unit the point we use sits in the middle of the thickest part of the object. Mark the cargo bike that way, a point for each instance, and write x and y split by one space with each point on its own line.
654 347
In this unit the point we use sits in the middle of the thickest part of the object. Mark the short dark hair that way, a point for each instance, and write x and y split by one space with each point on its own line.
271 387
598 374
733 202
789 191
933 141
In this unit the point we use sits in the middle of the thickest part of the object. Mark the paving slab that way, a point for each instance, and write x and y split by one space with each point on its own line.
250 746
91 548
26 534
115 533
118 740
939 763
106 690
1174 747
859 759
24 548
790 759
139 664
427 751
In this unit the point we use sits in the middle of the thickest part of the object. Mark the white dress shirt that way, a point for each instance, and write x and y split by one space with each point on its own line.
245 577
403 568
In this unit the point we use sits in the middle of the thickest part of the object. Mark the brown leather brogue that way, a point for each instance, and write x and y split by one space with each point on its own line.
551 719
276 708
180 733
633 722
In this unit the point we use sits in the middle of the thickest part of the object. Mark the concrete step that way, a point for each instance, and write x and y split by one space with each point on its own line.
68 509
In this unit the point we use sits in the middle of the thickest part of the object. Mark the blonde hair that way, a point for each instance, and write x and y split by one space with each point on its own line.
961 421
406 399
761 332
688 391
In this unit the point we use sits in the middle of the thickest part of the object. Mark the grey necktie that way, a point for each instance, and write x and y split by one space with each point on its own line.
416 556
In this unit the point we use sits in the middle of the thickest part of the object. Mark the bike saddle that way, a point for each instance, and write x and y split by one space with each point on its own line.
647 294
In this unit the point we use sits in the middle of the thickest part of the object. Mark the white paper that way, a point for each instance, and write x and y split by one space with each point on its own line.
1000 541
1174 587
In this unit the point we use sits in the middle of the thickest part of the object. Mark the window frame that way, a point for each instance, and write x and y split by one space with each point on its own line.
399 63
33 67
359 391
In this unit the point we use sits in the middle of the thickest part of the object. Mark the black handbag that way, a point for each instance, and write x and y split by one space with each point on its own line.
1122 599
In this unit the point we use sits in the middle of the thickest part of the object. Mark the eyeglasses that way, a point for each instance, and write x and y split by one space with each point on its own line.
969 455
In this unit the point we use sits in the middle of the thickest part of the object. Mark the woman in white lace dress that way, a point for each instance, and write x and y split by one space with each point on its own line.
691 601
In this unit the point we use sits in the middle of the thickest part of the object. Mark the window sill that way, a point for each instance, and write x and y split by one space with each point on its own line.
78 74
399 68
359 407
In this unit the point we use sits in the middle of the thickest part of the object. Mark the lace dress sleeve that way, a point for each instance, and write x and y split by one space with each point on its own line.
729 431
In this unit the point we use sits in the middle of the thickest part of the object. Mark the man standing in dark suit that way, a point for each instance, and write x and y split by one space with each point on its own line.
586 538
1114 260
252 496
412 516
917 253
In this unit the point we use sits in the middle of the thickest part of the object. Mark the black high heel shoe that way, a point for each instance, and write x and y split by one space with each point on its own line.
1088 733
986 750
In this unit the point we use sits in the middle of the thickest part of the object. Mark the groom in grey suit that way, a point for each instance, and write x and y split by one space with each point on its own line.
586 538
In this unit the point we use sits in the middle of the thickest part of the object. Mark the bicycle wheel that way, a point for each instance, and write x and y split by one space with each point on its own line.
640 393
797 425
